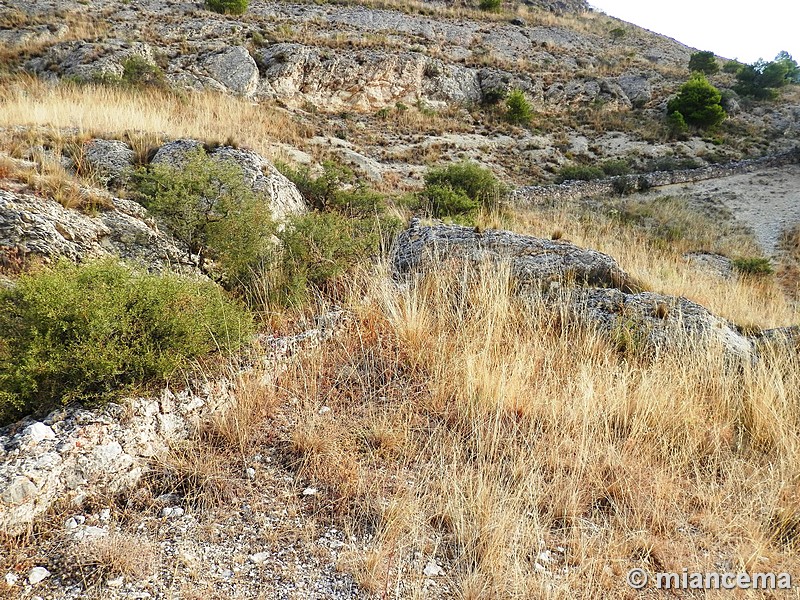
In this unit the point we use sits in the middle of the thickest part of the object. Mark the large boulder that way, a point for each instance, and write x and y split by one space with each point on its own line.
264 179
89 60
235 69
534 262
109 160
646 322
31 226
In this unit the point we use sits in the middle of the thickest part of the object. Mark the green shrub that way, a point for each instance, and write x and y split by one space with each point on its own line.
615 167
677 125
753 265
444 201
93 332
319 248
320 192
490 5
137 72
579 173
494 95
208 206
703 62
227 7
732 67
698 102
518 109
461 187
762 79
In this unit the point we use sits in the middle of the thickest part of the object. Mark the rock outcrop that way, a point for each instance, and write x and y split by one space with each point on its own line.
109 160
364 80
590 285
235 69
31 226
74 452
534 262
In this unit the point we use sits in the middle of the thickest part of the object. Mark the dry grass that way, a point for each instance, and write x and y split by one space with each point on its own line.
111 111
466 425
111 556
649 242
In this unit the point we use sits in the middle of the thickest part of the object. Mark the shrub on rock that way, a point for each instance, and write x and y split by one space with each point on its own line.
94 331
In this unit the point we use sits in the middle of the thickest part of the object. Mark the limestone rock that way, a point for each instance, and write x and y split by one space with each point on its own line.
41 227
235 69
534 261
89 60
637 88
649 322
109 159
363 80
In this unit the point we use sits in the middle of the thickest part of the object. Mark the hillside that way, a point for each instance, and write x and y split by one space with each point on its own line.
388 300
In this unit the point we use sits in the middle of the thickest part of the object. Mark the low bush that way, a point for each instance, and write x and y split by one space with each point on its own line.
703 62
490 5
615 167
753 265
460 189
93 332
138 72
207 206
319 248
579 173
227 7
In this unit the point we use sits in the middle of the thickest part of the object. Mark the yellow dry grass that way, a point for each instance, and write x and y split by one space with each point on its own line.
113 111
477 430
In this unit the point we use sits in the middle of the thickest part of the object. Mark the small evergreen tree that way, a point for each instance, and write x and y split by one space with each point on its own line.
703 62
698 102
518 109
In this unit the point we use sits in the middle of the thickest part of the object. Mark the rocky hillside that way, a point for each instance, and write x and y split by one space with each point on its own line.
292 308
393 88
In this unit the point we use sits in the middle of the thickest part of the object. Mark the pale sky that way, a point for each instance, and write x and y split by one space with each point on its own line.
746 31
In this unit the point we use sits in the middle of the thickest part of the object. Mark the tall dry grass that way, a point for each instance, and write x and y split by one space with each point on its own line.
99 110
477 429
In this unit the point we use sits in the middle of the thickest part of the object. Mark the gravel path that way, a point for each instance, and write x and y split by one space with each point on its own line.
767 201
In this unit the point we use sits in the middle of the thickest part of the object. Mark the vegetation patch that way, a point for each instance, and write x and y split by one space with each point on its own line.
93 332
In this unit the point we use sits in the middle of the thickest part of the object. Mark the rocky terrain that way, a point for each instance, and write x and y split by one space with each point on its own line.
307 469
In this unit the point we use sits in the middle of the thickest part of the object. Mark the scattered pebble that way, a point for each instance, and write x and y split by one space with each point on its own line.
432 569
251 473
37 574
259 557
310 491
172 512
11 579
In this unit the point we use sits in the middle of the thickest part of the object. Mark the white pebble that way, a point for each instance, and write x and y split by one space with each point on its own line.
37 574
11 579
251 473
432 569
259 557
310 491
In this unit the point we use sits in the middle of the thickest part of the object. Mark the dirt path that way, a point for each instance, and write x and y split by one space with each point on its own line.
767 201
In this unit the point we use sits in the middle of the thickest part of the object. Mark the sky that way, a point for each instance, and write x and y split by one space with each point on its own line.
746 31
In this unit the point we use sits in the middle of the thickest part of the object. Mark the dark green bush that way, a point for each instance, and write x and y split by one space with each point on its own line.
494 95
698 102
208 206
703 62
93 332
518 109
579 173
732 66
227 7
444 201
469 185
137 72
753 265
490 5
677 125
320 192
762 79
615 167
319 248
